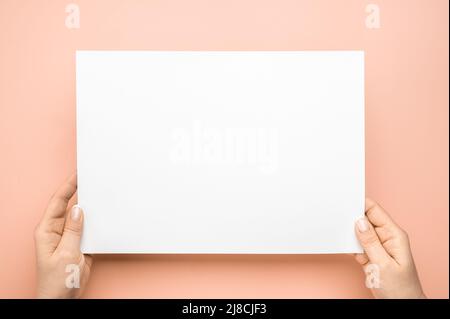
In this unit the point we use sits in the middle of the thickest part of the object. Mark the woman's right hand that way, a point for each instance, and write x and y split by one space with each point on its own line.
387 258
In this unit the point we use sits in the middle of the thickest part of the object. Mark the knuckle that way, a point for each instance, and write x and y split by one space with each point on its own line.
404 235
373 206
38 231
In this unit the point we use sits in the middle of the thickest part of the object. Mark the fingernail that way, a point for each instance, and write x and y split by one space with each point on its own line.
362 225
75 213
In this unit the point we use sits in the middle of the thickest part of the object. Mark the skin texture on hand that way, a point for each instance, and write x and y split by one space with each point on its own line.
387 255
57 239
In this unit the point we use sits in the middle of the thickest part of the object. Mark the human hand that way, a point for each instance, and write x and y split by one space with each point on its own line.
57 240
387 258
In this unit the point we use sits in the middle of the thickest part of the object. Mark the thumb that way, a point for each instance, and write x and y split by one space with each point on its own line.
370 242
71 237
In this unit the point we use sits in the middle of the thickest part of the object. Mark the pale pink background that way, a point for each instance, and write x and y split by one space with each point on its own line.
407 131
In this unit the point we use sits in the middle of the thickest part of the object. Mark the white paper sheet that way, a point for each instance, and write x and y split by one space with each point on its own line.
220 152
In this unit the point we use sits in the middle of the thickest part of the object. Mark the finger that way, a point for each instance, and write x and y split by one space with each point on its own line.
58 203
370 242
377 215
388 231
71 237
48 231
362 259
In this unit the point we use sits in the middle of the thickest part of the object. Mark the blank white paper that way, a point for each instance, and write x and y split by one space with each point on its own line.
220 152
